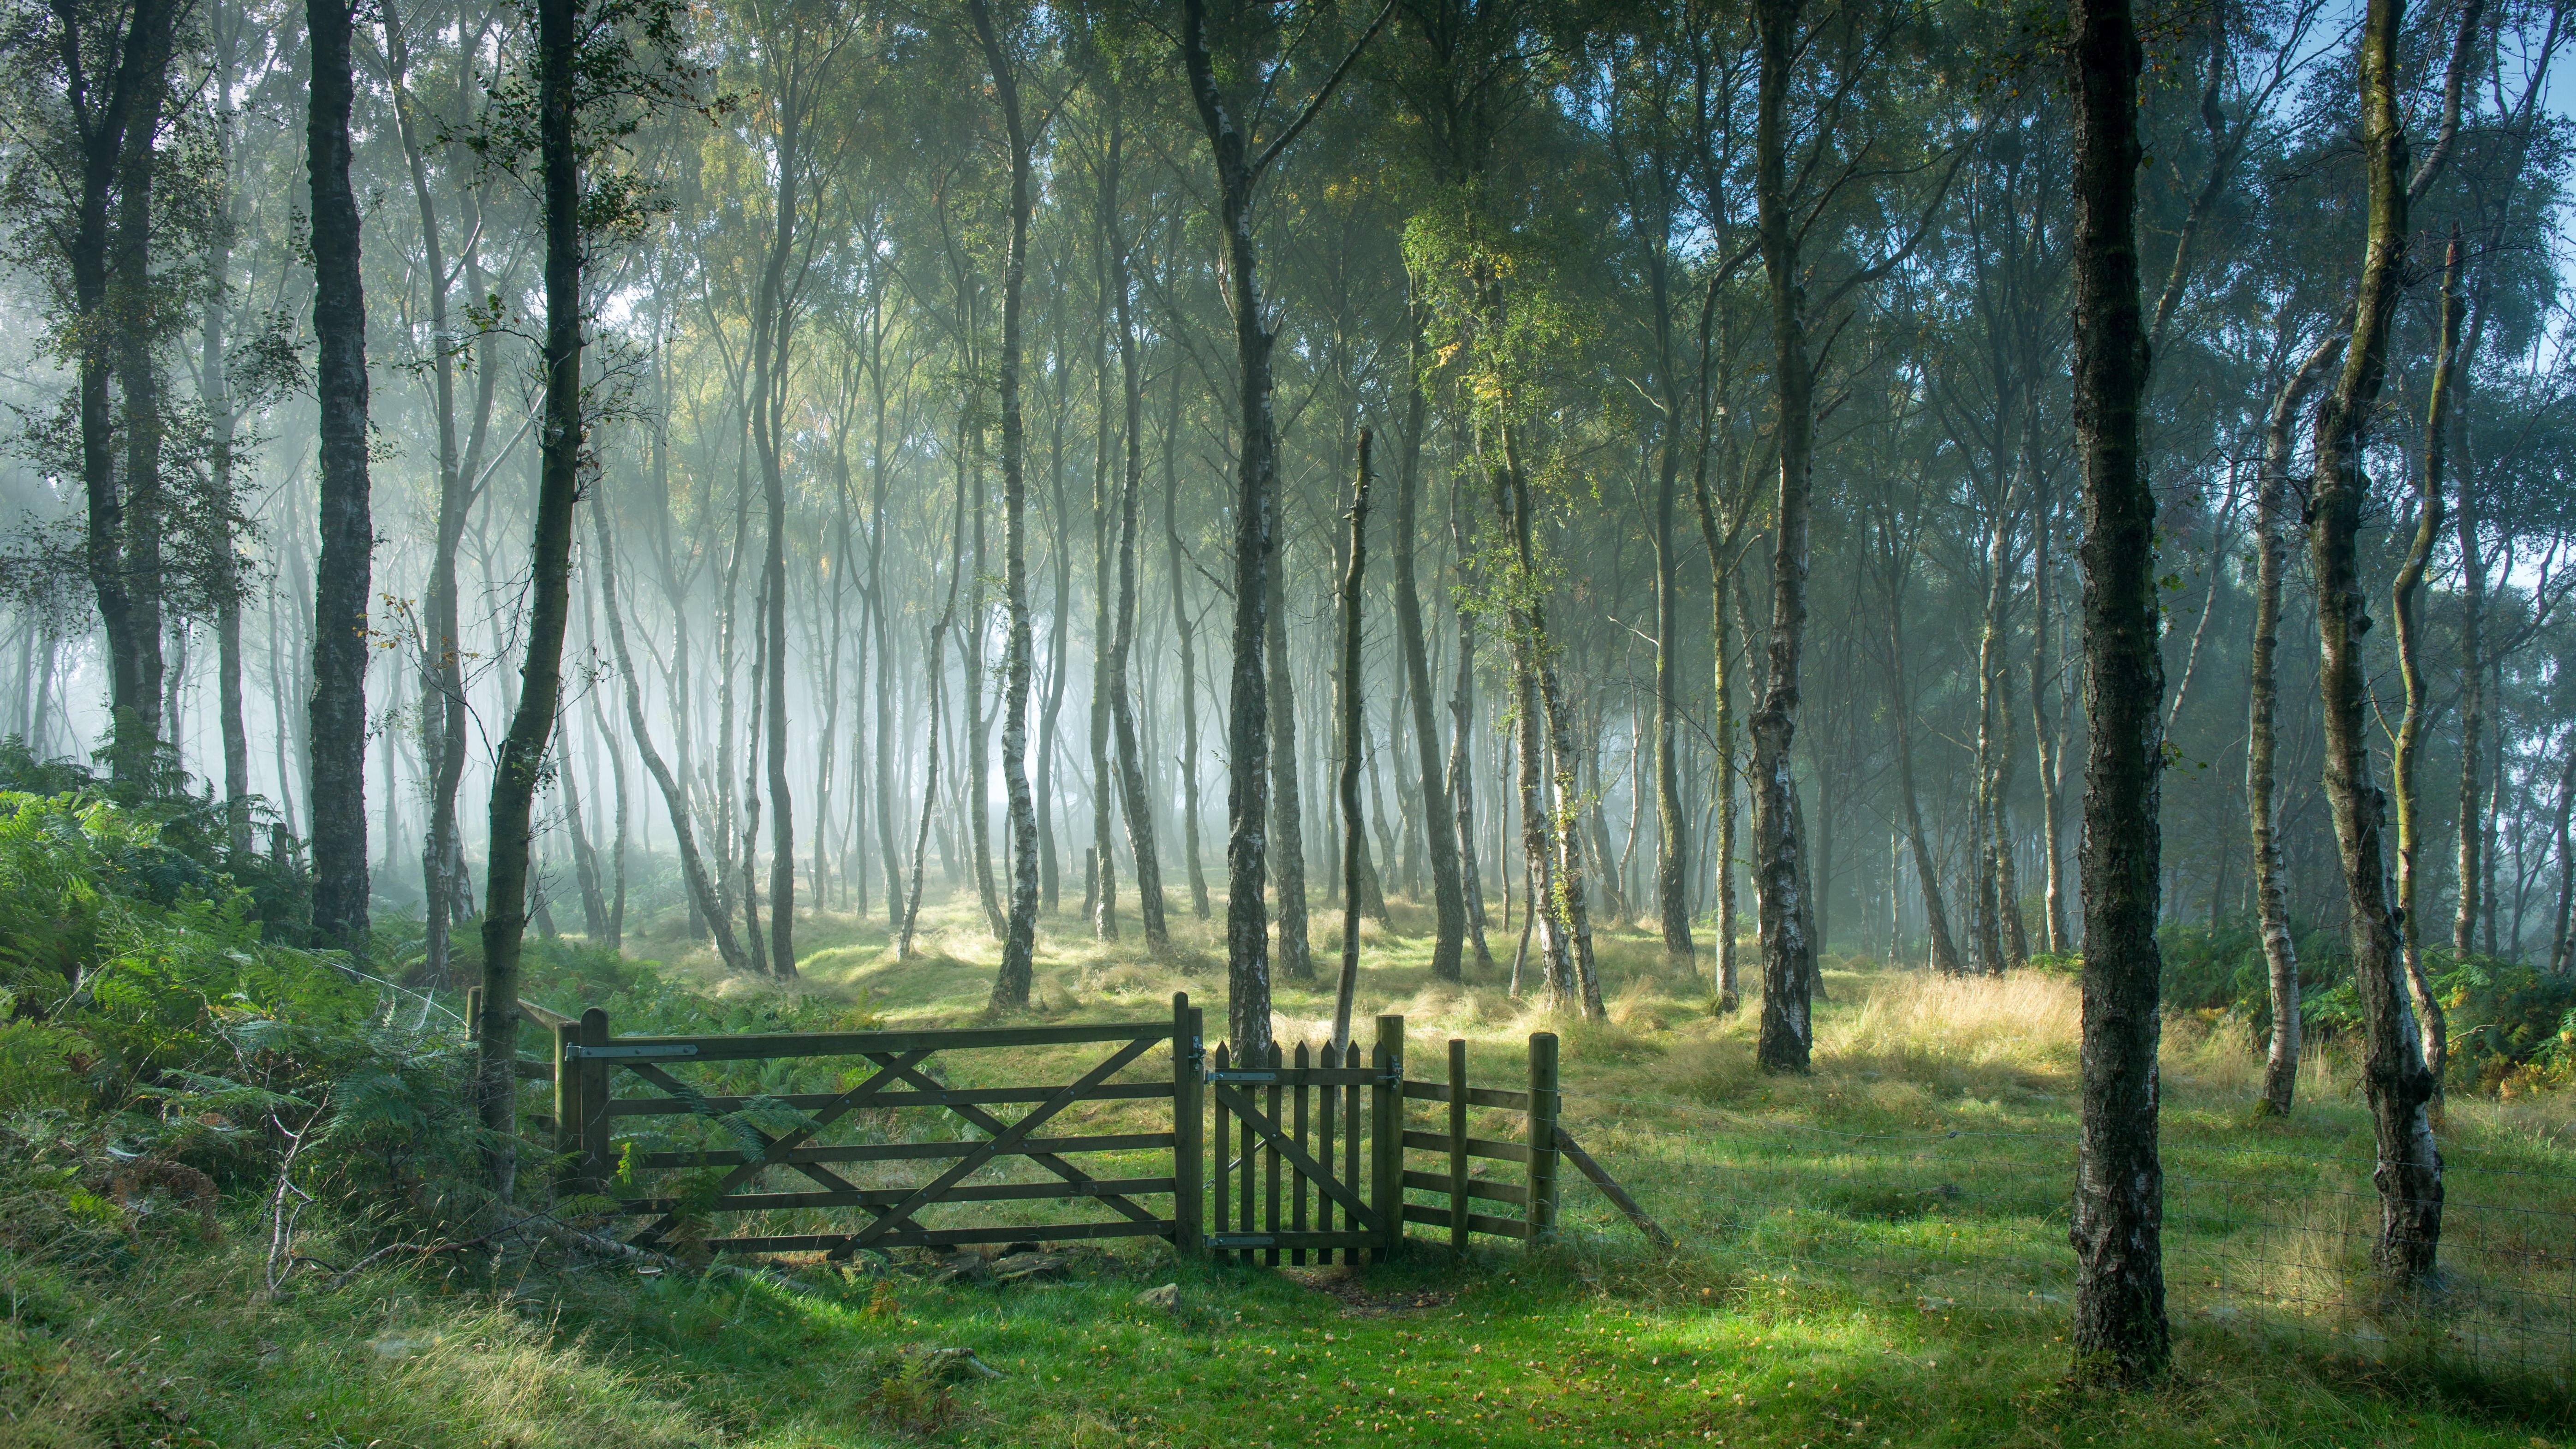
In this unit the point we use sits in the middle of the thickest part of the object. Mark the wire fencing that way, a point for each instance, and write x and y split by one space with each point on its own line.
2259 1237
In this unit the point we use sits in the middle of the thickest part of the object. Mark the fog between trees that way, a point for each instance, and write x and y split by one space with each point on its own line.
931 439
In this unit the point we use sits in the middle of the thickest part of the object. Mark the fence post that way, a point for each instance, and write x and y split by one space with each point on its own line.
595 1170
1543 1104
1457 1144
1386 1131
1188 1153
568 1116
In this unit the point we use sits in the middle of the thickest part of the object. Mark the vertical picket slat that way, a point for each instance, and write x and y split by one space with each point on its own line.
1351 1146
1247 1156
1305 1144
1270 1160
1457 1144
1386 1130
1224 1140
596 1168
567 1109
1327 1102
1189 1153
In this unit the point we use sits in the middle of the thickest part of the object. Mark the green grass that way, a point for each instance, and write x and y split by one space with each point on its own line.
1856 1275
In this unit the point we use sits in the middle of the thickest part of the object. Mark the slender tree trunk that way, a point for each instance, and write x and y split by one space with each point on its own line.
977 797
2395 1078
1448 894
1936 913
604 739
2047 736
1287 813
877 622
1019 941
1101 889
1182 627
675 797
770 340
1462 752
1136 802
2559 959
442 678
1238 171
1787 1030
1542 900
2272 550
1060 559
2121 1333
120 115
523 748
910 912
1346 987
2408 748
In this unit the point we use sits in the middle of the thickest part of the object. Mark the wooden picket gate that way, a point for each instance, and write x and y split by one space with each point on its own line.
1309 1148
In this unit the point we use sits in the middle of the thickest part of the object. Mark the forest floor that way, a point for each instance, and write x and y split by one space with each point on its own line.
1873 1255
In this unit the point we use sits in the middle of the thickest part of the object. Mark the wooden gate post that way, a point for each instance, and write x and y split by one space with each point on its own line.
1543 1104
568 1077
1458 1145
1386 1131
1188 1152
594 1166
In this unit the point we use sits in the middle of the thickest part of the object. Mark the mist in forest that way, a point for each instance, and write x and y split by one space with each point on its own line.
1774 480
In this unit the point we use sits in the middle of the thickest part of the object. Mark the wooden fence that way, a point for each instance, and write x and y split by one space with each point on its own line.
1309 1148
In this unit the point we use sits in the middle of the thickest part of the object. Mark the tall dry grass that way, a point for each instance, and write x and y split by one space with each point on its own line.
1920 1024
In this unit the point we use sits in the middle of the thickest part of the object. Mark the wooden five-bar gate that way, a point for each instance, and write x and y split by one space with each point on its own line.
1307 1157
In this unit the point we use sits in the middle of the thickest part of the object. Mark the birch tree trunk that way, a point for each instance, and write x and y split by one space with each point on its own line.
1787 1030
2408 748
2395 1078
2116 1228
1019 941
1136 802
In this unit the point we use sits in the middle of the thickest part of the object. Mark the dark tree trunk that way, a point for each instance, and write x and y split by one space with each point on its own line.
768 406
1441 838
2395 1078
2117 1226
1182 627
340 580
523 748
1787 1030
2559 960
118 115
1346 985
1287 807
1239 171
